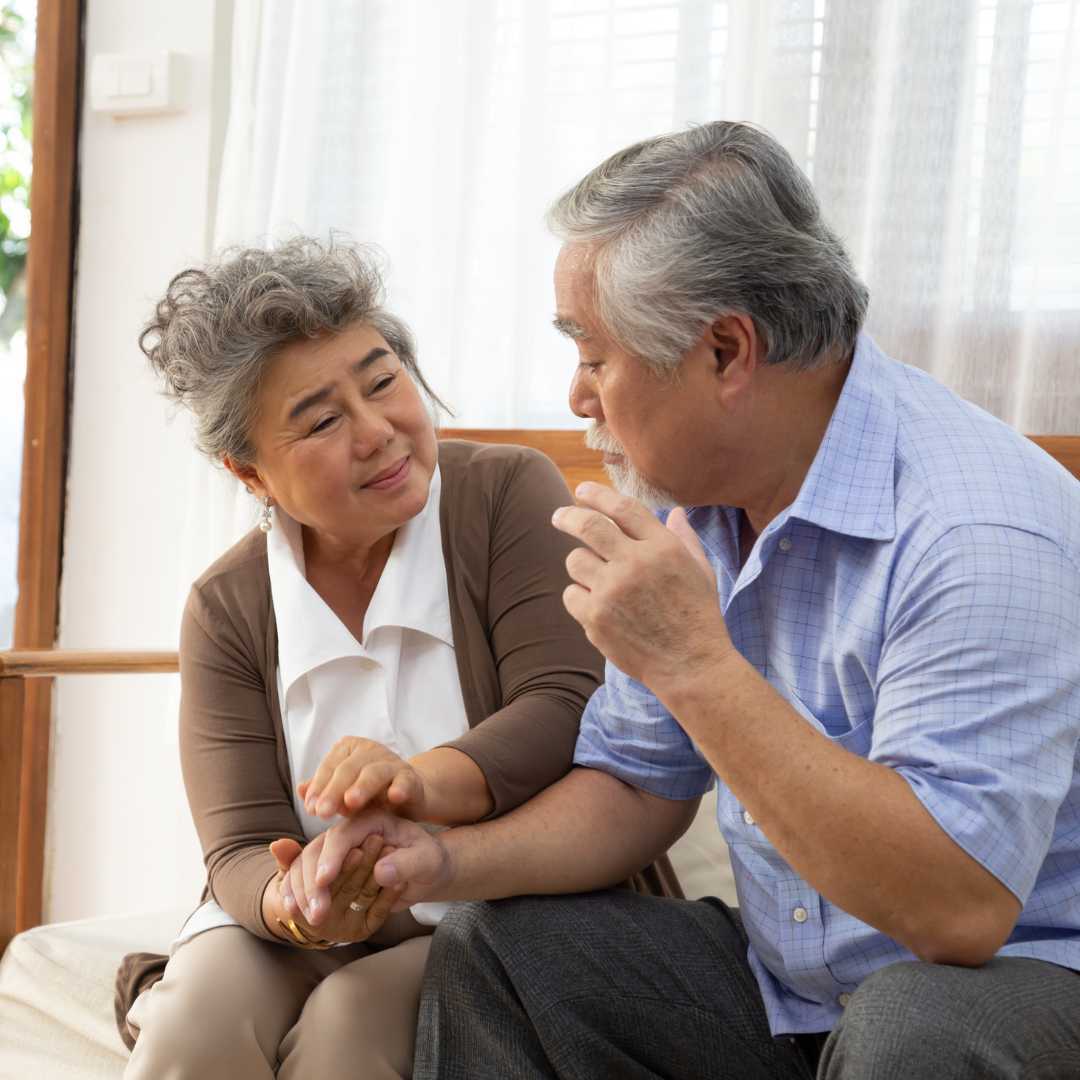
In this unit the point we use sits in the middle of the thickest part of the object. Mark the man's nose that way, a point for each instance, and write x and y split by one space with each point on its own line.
584 400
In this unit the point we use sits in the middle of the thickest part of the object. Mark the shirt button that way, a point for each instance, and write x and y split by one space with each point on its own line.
747 817
785 544
800 915
843 999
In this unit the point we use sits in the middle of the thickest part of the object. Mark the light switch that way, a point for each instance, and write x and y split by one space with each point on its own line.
135 84
135 79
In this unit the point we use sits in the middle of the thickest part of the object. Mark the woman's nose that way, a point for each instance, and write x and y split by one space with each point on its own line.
372 432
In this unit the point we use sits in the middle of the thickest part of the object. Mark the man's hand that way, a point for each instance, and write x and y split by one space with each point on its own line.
355 907
414 864
645 594
358 773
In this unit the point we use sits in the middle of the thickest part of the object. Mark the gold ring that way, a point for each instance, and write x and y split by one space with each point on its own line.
354 906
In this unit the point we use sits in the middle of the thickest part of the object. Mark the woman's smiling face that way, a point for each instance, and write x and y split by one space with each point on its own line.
343 440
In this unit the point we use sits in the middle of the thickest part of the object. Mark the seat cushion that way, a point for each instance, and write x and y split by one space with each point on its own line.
56 995
701 859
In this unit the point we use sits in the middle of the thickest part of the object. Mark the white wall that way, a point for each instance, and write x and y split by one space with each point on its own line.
119 837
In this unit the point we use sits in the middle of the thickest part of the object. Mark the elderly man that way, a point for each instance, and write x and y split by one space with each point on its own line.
861 620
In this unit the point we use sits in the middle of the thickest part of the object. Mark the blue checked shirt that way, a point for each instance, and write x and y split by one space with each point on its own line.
918 604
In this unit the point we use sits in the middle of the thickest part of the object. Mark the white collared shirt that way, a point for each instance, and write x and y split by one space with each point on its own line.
398 686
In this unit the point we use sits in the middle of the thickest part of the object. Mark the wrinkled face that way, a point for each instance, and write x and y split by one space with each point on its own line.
343 441
653 430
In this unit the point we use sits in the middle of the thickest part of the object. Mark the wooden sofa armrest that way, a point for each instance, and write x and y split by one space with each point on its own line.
19 861
44 663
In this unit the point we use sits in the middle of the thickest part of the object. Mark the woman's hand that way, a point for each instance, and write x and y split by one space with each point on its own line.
352 910
359 773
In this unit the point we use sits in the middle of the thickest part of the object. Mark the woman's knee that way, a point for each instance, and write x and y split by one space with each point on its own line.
221 1009
186 1033
362 1017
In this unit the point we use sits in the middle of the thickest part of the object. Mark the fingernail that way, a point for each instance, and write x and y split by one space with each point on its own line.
557 515
322 872
389 874
290 904
326 808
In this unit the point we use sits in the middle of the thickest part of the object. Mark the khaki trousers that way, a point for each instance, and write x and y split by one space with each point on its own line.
234 1007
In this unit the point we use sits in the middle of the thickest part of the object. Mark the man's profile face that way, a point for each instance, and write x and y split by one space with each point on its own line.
645 424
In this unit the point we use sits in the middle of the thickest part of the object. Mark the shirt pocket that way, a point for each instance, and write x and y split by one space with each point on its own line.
839 729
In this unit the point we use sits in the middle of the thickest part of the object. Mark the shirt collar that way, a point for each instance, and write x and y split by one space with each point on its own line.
411 593
850 487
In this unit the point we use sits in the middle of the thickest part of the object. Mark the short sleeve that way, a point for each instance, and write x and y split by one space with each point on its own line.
626 732
978 693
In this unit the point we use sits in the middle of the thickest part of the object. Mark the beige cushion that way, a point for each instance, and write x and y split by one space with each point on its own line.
56 995
701 859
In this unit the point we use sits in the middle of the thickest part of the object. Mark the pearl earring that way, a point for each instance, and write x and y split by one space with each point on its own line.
266 522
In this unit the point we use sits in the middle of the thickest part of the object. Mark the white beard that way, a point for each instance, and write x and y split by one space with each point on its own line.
623 476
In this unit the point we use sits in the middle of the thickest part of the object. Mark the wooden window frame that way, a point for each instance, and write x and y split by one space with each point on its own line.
24 762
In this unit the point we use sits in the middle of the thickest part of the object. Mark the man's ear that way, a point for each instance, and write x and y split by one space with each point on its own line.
735 345
248 475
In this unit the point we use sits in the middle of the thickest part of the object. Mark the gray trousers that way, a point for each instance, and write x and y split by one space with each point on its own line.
630 987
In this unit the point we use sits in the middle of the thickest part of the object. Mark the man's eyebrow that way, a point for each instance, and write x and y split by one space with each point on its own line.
317 396
568 328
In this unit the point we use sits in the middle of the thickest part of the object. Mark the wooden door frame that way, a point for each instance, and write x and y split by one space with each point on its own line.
58 63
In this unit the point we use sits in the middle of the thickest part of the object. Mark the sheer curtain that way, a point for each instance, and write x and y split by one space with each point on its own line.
943 139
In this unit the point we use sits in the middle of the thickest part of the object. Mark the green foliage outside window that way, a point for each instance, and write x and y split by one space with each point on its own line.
16 71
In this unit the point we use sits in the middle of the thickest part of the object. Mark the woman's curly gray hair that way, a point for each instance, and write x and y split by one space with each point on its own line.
217 326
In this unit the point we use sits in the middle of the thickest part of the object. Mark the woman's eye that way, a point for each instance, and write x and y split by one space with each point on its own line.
323 424
383 383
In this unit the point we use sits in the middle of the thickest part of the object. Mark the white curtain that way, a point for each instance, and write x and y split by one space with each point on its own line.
943 139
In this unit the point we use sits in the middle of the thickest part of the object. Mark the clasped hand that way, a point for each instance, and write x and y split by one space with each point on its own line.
409 864
352 910
356 774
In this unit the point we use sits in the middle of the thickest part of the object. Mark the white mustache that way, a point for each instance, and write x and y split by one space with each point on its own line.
599 438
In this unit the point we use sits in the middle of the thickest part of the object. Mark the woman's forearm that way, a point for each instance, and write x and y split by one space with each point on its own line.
456 791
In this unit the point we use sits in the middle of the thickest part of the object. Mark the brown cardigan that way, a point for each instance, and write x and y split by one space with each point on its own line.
525 666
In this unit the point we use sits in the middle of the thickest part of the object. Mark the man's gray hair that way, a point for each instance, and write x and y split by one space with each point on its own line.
711 221
217 326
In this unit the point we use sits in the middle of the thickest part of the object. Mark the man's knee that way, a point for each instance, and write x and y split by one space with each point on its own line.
905 1020
483 929
480 948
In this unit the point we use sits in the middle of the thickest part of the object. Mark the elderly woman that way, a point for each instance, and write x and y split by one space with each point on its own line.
392 632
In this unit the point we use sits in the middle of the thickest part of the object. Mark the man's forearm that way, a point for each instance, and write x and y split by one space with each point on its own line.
852 828
588 831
